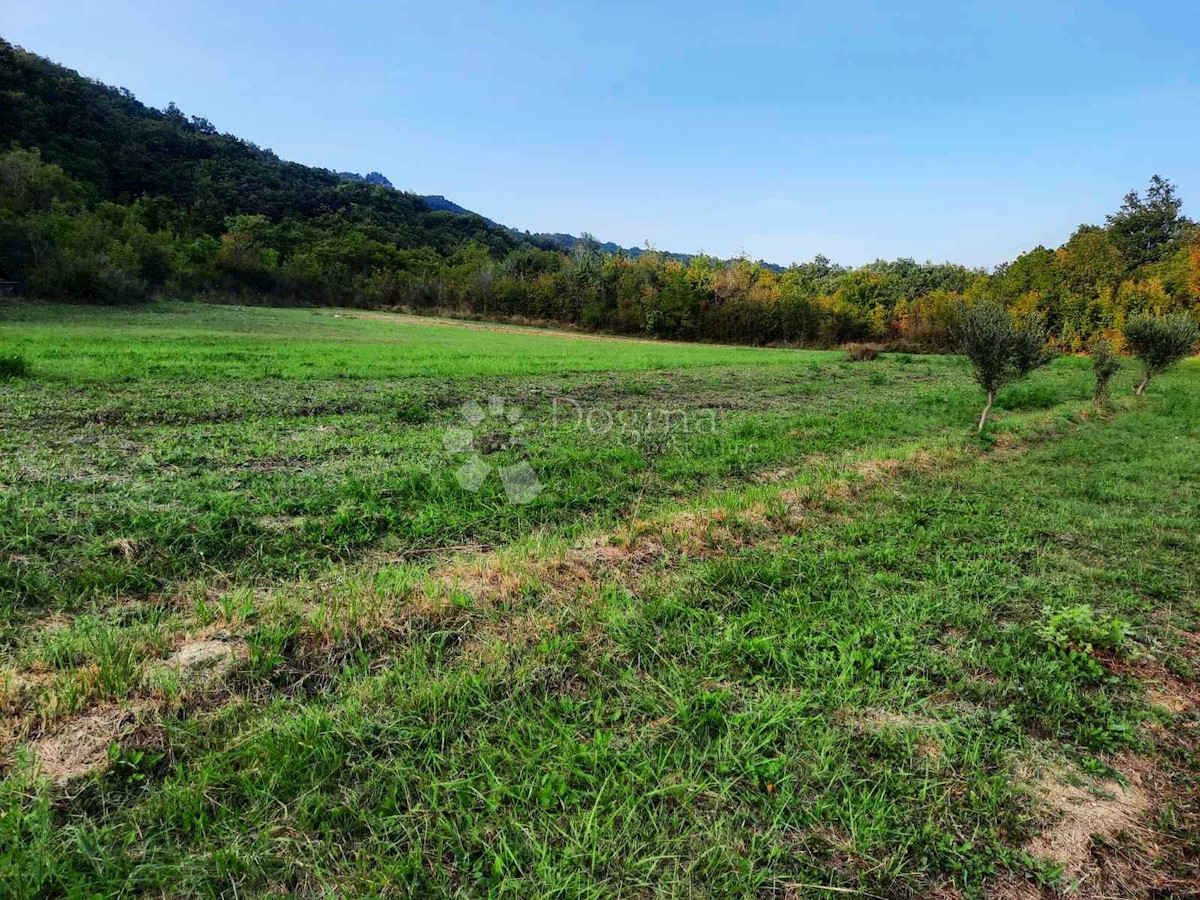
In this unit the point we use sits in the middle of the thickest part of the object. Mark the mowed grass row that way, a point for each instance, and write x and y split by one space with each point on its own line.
745 662
143 450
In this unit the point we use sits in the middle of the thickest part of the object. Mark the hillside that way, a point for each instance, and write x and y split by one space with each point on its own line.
105 137
122 149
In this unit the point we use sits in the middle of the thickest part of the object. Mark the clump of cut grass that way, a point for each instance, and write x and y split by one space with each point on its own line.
862 352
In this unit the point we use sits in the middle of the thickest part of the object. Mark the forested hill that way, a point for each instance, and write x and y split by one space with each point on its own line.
122 149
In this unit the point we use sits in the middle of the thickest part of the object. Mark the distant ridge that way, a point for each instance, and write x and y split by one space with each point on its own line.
546 240
369 178
549 240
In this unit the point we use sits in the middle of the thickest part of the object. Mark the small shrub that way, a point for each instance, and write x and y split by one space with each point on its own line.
1160 342
1106 363
862 352
13 366
130 767
1081 628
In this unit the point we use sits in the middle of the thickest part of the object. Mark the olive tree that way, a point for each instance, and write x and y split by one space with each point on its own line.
1160 342
1000 351
1106 362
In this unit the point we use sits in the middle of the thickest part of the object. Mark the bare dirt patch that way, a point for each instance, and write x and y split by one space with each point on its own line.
873 470
630 553
1163 687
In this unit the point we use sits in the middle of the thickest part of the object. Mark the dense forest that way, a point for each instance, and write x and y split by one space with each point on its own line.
103 199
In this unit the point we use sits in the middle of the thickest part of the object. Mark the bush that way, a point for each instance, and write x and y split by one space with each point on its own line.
13 367
1160 342
999 351
862 352
1082 628
1106 363
97 277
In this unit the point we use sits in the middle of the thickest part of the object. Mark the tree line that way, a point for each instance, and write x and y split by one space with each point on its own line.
103 199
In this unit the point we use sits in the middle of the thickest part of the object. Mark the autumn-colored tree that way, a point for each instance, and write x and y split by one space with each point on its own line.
928 320
1090 262
1193 276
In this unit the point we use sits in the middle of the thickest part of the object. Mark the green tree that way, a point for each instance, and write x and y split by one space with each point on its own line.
1090 262
27 184
1159 342
244 252
1145 229
999 350
1106 363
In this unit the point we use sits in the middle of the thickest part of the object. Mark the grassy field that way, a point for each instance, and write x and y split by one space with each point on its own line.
330 603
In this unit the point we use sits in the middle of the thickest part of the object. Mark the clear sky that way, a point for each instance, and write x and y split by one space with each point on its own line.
966 131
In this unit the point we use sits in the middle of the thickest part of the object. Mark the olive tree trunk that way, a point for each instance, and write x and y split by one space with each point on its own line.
987 409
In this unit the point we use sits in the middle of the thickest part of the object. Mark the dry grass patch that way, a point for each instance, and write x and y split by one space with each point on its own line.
203 663
925 731
1099 835
79 746
569 579
1173 694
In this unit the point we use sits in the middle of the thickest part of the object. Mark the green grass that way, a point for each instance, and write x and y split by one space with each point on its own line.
185 342
751 659
210 475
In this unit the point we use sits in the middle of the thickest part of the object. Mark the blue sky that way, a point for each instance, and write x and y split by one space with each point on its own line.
964 131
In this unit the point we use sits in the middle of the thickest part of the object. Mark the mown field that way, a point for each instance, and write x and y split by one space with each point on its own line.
769 623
